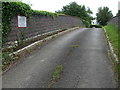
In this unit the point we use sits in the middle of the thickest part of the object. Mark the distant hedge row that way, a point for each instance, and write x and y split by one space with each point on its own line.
10 9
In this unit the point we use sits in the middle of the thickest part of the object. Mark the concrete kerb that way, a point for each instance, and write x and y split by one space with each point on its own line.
111 51
26 50
12 43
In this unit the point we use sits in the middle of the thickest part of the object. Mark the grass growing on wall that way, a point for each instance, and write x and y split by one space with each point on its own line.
44 13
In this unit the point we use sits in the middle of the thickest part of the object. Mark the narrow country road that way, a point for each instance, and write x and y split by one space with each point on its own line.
85 66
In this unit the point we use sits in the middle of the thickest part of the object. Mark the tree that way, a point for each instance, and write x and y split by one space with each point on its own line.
74 9
103 15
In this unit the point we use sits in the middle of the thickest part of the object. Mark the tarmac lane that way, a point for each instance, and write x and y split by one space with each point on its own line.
83 54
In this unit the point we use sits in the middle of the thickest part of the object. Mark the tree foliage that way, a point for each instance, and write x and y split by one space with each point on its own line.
103 15
74 9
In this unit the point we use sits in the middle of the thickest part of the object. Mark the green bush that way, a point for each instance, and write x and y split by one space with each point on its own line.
113 34
96 26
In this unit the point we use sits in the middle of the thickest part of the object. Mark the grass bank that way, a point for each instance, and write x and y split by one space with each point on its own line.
113 34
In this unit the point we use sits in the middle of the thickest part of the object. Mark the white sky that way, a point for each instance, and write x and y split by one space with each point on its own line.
54 5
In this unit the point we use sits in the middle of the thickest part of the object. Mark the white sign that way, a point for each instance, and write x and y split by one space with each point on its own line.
22 21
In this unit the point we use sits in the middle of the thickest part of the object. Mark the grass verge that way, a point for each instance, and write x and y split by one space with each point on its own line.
113 35
112 32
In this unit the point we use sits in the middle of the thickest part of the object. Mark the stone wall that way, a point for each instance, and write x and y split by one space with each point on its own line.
37 25
115 20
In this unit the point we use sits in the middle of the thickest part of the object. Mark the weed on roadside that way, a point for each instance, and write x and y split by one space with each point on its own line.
56 75
54 36
75 46
7 59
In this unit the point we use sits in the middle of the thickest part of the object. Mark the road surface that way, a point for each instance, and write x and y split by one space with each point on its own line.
83 54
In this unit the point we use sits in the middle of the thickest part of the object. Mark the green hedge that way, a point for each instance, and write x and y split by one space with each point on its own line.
96 26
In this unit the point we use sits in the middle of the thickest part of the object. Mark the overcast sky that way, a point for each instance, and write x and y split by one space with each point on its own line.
54 5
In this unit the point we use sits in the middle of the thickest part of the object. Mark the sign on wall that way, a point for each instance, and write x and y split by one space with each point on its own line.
22 21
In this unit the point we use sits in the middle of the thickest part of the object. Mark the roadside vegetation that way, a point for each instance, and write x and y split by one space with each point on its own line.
74 46
56 75
7 60
113 34
96 26
104 15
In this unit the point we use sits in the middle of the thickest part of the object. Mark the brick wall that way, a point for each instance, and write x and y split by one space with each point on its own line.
37 25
